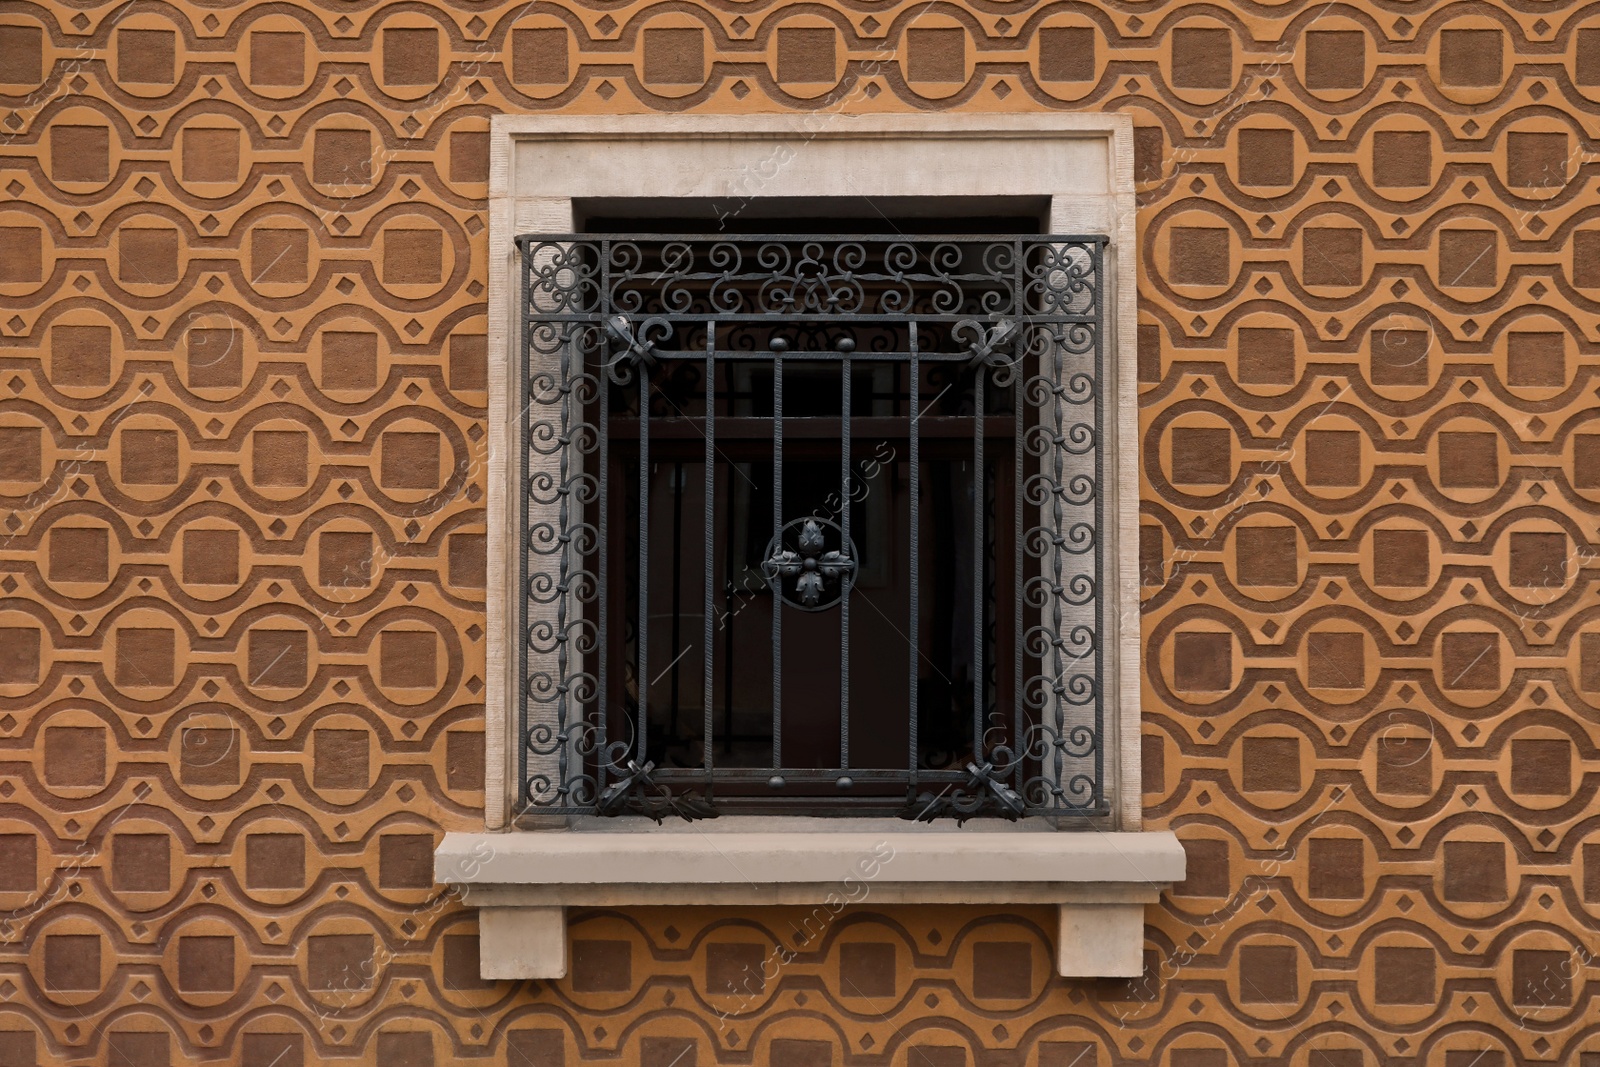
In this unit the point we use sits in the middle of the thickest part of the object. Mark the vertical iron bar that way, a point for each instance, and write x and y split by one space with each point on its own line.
1020 531
915 393
602 551
520 471
563 557
710 564
848 579
642 680
1096 250
727 621
1019 403
1058 340
979 749
991 606
677 598
777 527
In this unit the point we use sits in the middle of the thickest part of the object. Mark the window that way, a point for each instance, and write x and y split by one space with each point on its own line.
702 576
782 550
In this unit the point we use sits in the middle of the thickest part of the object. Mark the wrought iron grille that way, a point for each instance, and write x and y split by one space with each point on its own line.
811 524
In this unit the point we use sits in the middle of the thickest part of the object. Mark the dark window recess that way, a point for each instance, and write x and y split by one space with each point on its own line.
811 525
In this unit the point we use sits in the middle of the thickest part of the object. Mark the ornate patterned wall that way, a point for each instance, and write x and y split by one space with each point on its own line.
242 257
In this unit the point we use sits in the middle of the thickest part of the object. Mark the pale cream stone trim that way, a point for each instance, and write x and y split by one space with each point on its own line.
518 943
1100 940
756 859
1095 939
1082 162
1100 882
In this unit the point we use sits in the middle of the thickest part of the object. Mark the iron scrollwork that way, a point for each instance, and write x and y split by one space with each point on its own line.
992 345
984 792
639 794
635 323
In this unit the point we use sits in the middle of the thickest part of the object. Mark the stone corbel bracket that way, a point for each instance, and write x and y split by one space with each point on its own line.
522 883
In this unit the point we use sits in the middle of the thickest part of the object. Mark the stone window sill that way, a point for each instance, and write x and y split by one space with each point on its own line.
522 882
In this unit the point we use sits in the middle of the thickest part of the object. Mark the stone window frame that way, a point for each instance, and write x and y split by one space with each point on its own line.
1101 877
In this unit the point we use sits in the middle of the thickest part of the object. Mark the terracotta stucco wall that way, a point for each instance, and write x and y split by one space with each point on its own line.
242 257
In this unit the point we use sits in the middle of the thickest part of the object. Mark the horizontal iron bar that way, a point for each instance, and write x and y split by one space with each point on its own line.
818 238
876 427
808 776
809 319
844 806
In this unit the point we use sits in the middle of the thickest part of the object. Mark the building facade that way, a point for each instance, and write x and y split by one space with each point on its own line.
244 455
